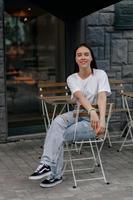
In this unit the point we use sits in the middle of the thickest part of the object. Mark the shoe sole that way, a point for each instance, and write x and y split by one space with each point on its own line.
41 176
50 185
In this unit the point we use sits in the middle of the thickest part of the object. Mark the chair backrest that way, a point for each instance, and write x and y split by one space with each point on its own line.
117 87
52 88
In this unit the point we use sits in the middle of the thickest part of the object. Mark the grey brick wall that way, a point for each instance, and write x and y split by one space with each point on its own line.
113 48
3 121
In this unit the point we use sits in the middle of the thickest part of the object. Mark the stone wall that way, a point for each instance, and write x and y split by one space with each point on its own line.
113 48
3 121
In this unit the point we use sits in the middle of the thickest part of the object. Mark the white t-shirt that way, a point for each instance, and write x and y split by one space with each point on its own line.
91 86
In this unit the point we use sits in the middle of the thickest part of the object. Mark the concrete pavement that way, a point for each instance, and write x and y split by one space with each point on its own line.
19 159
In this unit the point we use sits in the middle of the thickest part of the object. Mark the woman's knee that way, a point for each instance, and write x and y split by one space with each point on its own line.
64 119
59 120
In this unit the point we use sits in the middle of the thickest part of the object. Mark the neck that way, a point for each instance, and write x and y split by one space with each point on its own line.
85 73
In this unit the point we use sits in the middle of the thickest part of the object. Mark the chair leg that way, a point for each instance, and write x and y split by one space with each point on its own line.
131 134
97 162
109 140
101 165
123 144
94 156
69 160
123 131
72 168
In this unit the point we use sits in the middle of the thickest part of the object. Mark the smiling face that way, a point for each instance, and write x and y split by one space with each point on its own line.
83 57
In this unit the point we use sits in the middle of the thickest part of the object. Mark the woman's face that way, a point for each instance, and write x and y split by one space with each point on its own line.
83 57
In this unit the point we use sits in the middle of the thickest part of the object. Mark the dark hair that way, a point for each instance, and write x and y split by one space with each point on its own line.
93 64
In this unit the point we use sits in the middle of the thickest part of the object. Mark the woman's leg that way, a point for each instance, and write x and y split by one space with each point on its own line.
53 146
84 131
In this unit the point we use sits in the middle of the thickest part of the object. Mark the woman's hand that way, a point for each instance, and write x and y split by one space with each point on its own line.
101 129
95 123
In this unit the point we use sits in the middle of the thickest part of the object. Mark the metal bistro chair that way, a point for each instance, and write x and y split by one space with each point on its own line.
119 111
55 95
128 142
94 145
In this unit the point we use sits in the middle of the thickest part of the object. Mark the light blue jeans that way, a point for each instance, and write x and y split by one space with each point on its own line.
61 130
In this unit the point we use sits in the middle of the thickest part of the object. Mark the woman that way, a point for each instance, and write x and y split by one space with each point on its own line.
88 86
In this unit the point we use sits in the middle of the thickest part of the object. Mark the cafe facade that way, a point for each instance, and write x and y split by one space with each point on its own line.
37 44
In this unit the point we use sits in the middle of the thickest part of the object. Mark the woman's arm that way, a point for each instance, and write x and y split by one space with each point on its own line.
102 99
86 104
82 100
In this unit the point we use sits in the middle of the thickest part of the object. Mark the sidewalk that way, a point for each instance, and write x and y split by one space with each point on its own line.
19 159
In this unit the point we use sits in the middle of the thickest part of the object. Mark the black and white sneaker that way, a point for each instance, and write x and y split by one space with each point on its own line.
50 182
41 172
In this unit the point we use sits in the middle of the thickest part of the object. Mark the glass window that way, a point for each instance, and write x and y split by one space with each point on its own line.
32 53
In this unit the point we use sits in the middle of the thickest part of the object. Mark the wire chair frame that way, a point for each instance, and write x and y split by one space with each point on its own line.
95 150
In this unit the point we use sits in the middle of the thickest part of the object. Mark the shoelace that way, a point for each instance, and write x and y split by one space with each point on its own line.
50 179
39 167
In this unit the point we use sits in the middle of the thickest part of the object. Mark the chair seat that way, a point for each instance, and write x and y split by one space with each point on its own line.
56 99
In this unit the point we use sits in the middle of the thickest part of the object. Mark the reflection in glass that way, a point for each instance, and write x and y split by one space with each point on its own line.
31 55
